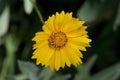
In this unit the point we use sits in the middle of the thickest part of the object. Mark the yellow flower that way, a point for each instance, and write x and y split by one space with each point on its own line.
60 42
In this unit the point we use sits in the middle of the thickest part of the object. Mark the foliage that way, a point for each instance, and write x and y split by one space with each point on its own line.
19 22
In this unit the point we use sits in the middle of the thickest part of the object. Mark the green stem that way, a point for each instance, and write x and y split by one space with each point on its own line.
38 12
4 69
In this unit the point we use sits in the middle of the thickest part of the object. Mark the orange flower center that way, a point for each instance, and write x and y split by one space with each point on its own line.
57 40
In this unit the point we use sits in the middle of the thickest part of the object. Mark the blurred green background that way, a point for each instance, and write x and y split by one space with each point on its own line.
19 22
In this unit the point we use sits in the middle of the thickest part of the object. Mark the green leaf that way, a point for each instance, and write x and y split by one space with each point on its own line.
29 69
1 41
11 43
62 77
111 73
28 6
46 74
88 12
83 70
117 20
4 21
96 10
2 5
20 77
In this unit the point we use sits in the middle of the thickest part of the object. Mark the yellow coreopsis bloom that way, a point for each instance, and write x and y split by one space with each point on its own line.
60 42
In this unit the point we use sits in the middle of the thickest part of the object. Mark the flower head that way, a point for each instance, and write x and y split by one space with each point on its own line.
61 41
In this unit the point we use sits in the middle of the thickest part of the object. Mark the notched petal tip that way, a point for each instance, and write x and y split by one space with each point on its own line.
37 63
62 12
33 39
57 69
57 13
82 22
33 57
89 40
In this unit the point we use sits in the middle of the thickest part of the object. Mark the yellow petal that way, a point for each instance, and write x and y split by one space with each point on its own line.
52 62
62 59
57 60
43 55
40 44
59 19
72 55
65 57
49 27
40 36
78 33
74 24
76 50
80 41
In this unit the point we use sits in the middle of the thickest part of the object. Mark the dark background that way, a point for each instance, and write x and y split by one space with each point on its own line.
102 18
